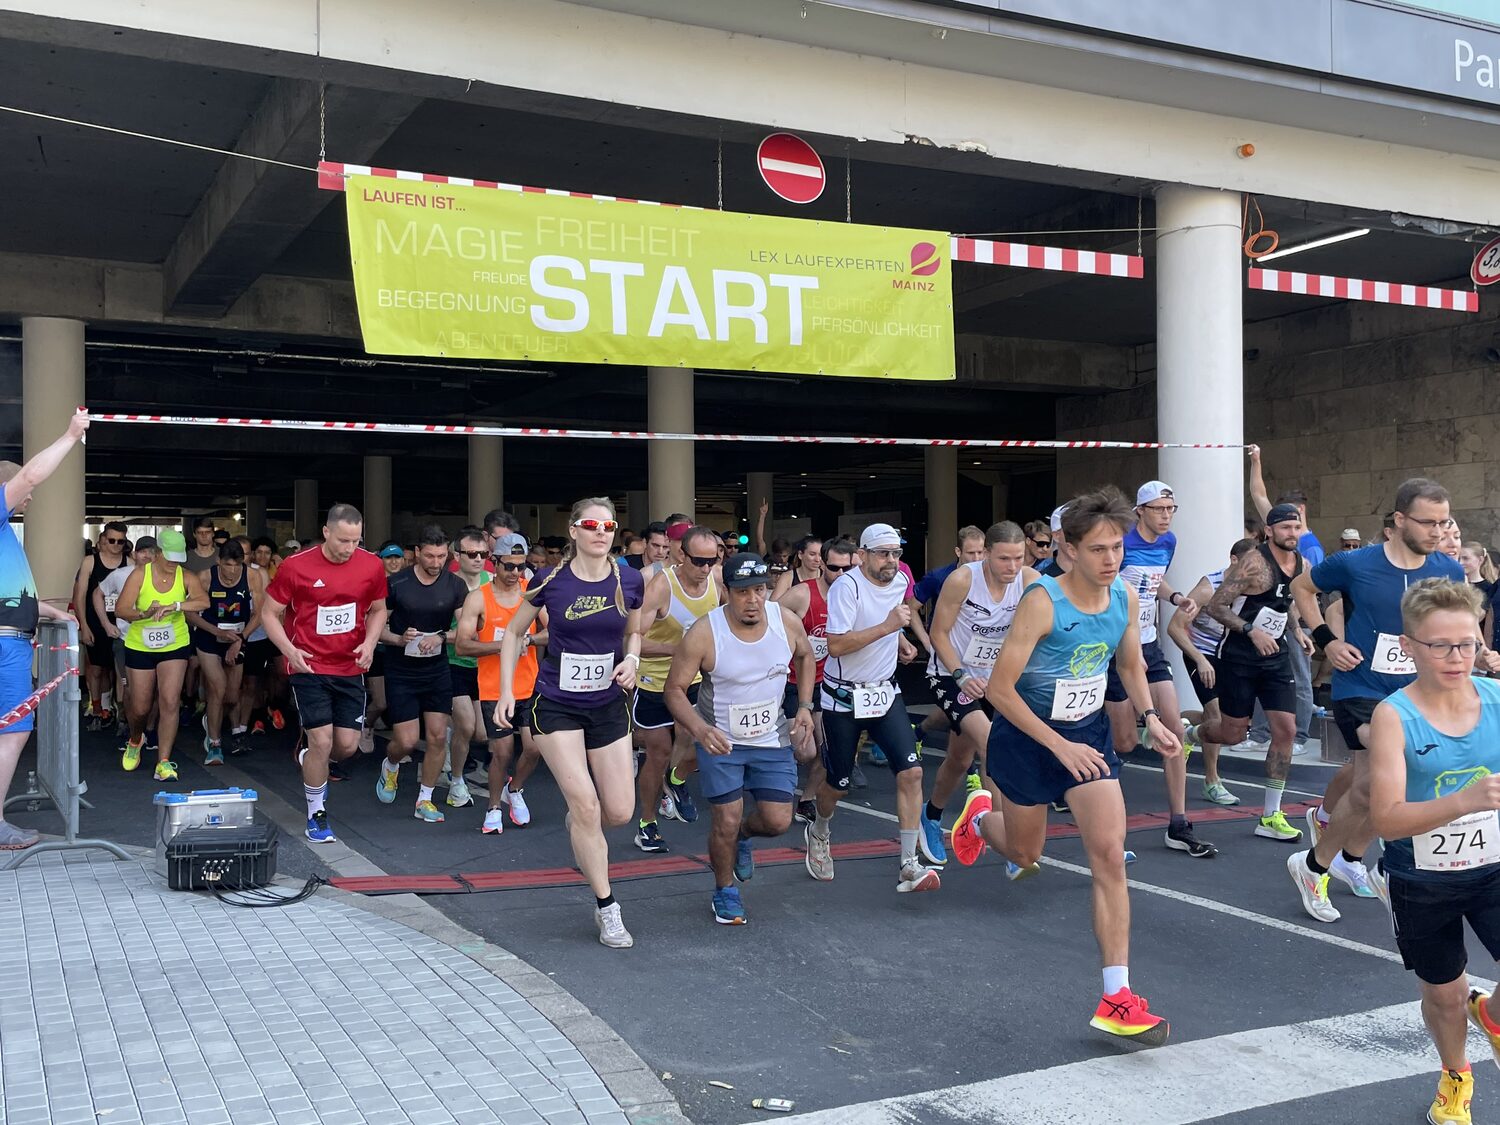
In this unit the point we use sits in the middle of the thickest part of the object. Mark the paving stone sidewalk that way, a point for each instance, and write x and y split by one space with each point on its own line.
122 1001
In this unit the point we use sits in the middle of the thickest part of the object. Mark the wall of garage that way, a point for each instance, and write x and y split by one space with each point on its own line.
1346 402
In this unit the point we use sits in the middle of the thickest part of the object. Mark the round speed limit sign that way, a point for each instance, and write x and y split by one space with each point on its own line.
1486 267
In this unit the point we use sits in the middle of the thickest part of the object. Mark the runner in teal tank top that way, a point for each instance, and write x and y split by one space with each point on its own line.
1050 738
1434 792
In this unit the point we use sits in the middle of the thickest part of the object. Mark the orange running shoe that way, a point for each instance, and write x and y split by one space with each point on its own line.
1127 1015
967 843
278 720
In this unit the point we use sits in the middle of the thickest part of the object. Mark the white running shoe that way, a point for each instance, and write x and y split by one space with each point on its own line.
367 740
520 815
458 794
667 810
915 877
1314 825
494 822
1312 888
612 931
1356 876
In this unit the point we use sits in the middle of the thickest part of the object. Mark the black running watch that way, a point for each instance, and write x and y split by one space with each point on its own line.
1149 712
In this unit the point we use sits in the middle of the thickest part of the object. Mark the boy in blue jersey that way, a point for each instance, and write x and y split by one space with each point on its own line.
1050 738
1434 765
1149 547
1369 664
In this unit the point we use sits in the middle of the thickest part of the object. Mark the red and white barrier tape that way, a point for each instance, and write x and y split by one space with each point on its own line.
29 705
332 176
643 435
1354 289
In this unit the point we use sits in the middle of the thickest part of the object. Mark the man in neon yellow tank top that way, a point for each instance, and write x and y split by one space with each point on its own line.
675 598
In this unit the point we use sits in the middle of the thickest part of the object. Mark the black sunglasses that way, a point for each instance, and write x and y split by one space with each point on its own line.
701 560
837 569
511 566
1043 543
114 542
474 554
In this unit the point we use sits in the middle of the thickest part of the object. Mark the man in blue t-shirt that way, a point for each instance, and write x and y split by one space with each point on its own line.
1369 664
20 609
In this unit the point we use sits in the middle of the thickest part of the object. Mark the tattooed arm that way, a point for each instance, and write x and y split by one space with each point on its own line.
1247 575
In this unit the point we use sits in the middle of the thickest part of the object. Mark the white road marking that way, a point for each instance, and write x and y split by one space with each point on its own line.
1205 903
1186 1082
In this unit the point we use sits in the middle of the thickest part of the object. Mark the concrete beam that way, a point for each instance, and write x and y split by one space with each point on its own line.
131 293
1045 365
253 211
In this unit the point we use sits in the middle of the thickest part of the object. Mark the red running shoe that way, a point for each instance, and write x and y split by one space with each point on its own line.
1127 1016
278 720
967 843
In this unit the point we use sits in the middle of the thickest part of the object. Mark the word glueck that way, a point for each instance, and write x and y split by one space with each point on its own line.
443 270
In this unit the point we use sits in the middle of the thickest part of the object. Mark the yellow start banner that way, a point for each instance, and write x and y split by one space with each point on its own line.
480 273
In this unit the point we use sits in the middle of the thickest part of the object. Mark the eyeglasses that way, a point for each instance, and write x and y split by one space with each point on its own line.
886 552
596 525
832 569
752 570
701 560
1442 525
511 567
114 542
1165 509
1443 649
1044 544
474 554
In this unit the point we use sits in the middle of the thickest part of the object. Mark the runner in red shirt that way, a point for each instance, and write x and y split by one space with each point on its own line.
332 592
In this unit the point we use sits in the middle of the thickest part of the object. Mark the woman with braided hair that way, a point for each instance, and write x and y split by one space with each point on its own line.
578 708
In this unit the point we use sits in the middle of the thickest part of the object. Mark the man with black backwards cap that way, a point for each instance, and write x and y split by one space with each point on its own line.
868 607
742 649
1254 605
1149 547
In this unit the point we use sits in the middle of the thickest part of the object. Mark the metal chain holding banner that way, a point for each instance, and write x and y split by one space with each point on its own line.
56 777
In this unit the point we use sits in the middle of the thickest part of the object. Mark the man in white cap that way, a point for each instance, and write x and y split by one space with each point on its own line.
1058 565
868 611
1149 547
1349 539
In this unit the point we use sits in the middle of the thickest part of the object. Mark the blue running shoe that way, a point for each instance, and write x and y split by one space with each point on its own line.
877 755
317 828
930 843
744 861
385 786
728 909
1129 857
1016 873
687 811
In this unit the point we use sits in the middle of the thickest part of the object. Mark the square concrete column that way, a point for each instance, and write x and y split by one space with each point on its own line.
52 388
669 409
306 515
941 472
486 476
255 516
377 505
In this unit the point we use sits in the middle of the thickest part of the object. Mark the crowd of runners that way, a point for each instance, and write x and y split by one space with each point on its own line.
651 672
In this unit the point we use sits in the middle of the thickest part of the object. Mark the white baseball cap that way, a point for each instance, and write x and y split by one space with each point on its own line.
292 545
1152 490
880 535
1350 533
1057 515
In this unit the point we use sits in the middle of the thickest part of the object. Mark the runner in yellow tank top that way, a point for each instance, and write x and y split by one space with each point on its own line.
675 598
157 646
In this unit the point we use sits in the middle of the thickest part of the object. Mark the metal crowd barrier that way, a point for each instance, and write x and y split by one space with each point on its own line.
56 777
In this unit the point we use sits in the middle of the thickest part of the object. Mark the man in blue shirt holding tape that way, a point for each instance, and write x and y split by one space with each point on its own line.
20 610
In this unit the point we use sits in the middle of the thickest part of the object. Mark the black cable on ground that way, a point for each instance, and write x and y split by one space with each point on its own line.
260 898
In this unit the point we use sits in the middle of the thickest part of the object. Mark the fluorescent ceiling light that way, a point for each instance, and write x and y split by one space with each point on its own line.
1343 236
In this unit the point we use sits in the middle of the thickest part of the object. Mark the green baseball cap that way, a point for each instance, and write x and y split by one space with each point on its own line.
172 545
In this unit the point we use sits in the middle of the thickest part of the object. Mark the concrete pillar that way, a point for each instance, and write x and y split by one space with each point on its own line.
255 516
758 487
1000 499
486 476
638 509
51 390
941 465
307 517
377 504
669 408
1199 374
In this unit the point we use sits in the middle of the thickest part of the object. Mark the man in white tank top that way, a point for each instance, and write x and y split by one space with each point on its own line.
743 649
973 614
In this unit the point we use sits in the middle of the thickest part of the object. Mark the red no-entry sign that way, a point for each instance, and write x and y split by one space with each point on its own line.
791 168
